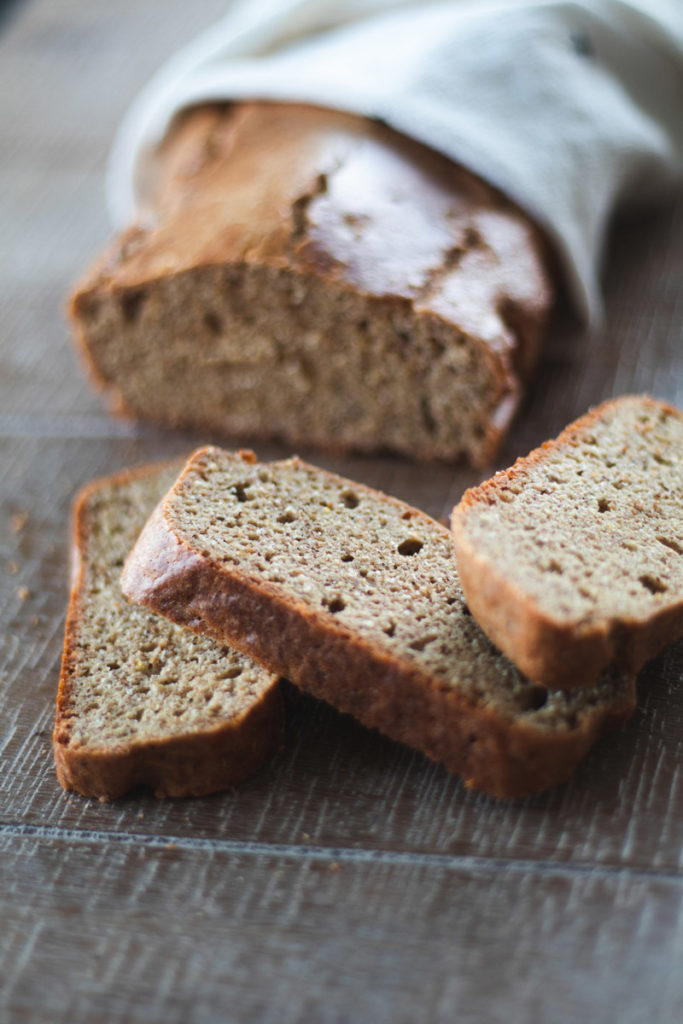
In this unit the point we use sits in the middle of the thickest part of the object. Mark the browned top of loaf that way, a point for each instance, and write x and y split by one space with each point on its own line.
339 196
133 682
586 534
357 595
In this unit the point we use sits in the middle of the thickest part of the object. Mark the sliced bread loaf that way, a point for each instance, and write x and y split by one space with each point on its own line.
140 700
573 559
313 276
355 597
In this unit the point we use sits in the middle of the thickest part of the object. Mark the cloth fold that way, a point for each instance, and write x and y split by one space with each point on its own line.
570 107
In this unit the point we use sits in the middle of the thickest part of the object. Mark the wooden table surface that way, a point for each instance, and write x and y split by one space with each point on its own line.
351 880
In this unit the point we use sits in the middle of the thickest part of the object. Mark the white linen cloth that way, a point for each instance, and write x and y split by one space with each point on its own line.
567 106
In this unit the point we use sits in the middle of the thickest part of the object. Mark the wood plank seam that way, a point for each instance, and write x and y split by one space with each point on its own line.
462 862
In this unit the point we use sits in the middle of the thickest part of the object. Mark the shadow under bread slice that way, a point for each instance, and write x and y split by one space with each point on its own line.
142 701
355 597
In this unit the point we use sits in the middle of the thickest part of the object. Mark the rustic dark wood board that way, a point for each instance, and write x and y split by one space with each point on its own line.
182 931
350 879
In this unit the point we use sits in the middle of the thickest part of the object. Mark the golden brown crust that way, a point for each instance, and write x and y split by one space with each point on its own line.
347 202
180 766
329 660
191 764
546 646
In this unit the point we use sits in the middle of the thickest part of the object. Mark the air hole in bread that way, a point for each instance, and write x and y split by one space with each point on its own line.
671 544
346 557
213 324
286 517
350 499
422 641
409 546
230 673
242 492
131 305
651 583
335 604
538 697
604 505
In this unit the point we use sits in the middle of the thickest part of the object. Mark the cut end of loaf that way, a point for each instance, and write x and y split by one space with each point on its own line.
316 278
315 365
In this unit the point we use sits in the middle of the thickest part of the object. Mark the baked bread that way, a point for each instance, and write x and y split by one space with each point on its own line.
312 276
573 559
142 701
355 597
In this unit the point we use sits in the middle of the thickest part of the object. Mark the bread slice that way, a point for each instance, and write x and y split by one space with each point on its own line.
573 559
312 276
355 597
140 700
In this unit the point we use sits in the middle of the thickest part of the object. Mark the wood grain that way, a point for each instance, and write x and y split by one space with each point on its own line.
351 879
188 931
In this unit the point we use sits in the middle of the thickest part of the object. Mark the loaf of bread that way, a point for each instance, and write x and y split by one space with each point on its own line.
312 276
355 597
572 560
142 701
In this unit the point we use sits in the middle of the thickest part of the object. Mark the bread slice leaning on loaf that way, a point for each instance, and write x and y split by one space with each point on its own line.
355 597
572 560
142 701
312 276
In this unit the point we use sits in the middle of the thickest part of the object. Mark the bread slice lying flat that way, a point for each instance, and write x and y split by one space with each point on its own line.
573 559
355 597
141 700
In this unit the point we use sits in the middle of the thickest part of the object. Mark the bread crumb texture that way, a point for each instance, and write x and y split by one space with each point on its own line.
368 566
132 678
590 526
